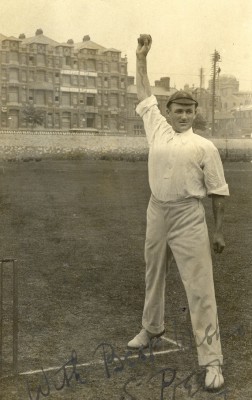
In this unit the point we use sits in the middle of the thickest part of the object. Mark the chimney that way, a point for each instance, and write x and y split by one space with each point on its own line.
86 38
165 83
39 32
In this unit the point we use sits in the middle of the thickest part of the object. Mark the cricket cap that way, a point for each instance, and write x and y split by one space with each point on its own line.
182 97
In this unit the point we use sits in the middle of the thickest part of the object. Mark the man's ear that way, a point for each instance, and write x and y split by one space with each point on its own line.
168 119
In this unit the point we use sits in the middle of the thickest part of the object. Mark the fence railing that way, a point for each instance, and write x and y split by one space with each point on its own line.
72 132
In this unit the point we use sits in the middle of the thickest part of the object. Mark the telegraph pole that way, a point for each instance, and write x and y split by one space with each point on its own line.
201 84
215 60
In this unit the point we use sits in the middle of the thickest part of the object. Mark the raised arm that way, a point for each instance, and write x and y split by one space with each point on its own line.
142 80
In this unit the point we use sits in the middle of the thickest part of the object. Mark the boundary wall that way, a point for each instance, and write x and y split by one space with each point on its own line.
18 145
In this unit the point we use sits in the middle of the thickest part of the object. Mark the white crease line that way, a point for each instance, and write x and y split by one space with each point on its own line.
171 341
99 362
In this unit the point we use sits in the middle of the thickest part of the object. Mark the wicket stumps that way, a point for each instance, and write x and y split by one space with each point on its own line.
4 263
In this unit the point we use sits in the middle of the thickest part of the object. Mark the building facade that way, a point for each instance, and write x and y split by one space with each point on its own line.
161 90
76 86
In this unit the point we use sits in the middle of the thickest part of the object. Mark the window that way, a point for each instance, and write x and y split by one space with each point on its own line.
31 76
90 121
66 99
75 99
115 56
106 123
91 65
49 62
138 129
4 92
31 60
81 64
66 80
4 75
23 59
123 69
105 99
50 97
114 66
57 77
122 100
56 120
13 75
40 59
99 99
75 120
105 82
49 76
98 121
82 81
81 98
41 76
75 80
99 81
90 101
122 83
4 59
114 100
24 76
66 120
13 57
67 61
56 97
40 97
114 82
50 120
105 67
90 82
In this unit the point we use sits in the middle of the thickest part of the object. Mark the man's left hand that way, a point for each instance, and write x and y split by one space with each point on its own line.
218 242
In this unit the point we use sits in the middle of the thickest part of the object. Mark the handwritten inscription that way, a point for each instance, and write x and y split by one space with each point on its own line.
61 374
114 364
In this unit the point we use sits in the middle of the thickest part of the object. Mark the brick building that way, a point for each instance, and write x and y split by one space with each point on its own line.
75 85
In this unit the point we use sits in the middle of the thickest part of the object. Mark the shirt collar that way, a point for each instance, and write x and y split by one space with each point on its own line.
185 136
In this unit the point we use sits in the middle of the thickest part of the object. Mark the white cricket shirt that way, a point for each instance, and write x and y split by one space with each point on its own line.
181 165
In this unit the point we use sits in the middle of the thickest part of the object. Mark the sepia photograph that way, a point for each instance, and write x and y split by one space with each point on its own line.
125 200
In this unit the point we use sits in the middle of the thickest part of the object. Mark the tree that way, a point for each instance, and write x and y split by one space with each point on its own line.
32 115
199 122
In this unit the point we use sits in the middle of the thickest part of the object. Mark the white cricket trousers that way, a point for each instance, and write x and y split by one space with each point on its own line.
179 229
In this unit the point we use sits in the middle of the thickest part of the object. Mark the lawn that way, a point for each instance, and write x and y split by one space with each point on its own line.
77 229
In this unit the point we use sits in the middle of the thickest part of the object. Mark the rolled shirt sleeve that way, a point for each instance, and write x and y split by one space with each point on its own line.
154 121
213 172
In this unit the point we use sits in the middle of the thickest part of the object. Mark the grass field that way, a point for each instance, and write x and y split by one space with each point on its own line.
77 229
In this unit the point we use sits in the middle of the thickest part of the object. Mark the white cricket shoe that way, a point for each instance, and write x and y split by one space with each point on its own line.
214 378
143 339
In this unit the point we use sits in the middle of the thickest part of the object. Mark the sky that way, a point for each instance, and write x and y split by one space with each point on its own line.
185 32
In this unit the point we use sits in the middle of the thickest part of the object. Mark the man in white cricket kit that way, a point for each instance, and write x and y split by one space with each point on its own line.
183 169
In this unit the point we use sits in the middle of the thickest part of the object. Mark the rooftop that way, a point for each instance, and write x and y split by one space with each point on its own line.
40 39
156 90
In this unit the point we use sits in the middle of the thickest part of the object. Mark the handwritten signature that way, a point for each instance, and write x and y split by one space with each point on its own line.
113 363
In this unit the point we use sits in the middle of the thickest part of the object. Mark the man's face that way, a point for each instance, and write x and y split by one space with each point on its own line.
181 116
